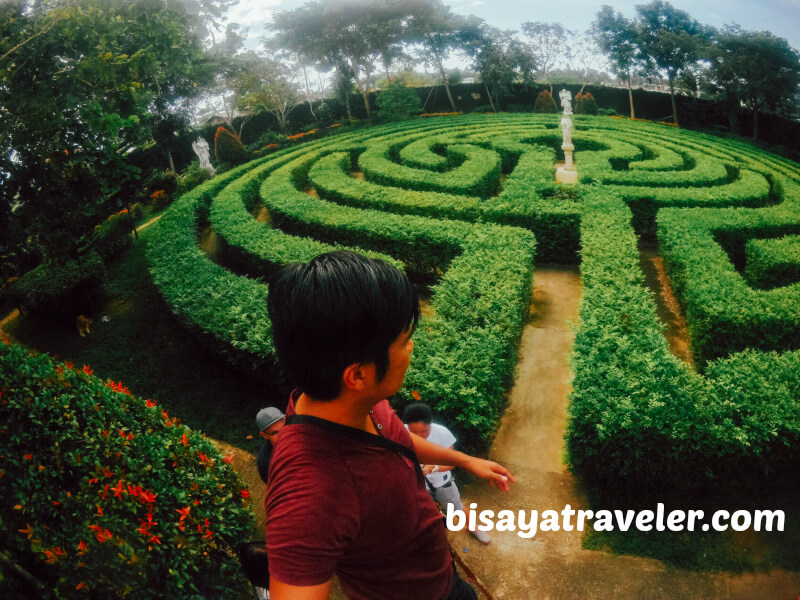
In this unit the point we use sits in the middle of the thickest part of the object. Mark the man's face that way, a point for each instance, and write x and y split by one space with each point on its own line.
399 358
271 433
421 429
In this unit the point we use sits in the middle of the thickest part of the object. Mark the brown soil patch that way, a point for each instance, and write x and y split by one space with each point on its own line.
530 443
311 191
426 307
210 243
669 310
261 213
356 174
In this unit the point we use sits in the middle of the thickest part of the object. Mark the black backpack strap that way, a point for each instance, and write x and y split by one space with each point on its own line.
360 436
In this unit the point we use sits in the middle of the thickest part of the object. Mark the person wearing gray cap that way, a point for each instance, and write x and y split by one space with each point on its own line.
269 422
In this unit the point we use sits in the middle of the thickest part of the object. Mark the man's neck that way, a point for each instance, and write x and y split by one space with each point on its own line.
343 410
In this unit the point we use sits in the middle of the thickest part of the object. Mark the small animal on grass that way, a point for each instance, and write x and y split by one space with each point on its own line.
83 324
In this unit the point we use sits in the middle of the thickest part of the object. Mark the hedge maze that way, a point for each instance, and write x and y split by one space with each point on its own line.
466 206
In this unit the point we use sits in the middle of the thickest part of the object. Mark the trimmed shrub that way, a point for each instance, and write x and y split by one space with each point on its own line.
60 289
545 103
773 263
113 235
106 494
397 102
585 104
191 177
228 147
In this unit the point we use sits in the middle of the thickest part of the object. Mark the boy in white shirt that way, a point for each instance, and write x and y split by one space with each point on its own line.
442 487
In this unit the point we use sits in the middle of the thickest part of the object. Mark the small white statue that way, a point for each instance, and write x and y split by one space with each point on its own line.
566 101
200 147
566 128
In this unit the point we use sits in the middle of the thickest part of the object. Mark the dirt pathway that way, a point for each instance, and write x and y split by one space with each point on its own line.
553 565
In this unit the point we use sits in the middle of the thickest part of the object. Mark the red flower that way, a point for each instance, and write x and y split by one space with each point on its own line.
28 456
228 459
82 547
149 403
148 497
53 554
99 511
245 494
102 535
68 364
184 512
88 370
106 472
118 490
185 440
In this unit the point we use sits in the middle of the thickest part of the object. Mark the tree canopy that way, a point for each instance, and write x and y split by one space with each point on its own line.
754 68
83 83
668 39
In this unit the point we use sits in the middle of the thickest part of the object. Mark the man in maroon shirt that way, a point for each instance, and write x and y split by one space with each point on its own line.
346 495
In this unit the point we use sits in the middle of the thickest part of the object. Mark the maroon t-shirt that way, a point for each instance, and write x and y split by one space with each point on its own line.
337 505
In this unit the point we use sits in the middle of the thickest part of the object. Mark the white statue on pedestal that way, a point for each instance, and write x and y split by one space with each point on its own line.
567 172
566 101
566 128
200 147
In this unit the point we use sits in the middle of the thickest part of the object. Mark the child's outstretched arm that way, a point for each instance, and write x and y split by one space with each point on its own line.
433 454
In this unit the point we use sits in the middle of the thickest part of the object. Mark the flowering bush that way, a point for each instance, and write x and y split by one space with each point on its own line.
585 104
107 495
443 114
545 103
160 199
228 147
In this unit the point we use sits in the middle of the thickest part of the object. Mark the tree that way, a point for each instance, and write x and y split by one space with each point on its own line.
438 33
548 44
584 52
754 68
269 88
501 59
232 69
669 38
616 37
82 84
356 34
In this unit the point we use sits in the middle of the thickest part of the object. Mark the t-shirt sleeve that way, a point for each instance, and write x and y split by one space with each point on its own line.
443 436
312 516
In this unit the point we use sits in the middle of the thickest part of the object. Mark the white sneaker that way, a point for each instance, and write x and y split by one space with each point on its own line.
481 536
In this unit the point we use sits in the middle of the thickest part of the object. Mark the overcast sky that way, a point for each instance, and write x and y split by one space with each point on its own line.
781 17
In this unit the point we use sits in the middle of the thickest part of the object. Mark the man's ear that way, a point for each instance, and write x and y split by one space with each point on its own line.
356 376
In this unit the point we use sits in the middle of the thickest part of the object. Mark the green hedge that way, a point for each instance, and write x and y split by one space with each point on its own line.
63 289
773 263
701 250
638 417
106 494
477 175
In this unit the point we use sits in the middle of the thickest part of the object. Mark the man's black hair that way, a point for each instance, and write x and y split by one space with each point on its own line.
339 309
419 412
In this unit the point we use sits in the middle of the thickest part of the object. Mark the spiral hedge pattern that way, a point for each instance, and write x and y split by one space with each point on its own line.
467 204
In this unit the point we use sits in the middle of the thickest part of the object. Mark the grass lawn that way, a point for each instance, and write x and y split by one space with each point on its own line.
141 344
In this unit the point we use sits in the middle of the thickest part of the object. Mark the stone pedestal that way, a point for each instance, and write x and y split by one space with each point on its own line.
567 173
